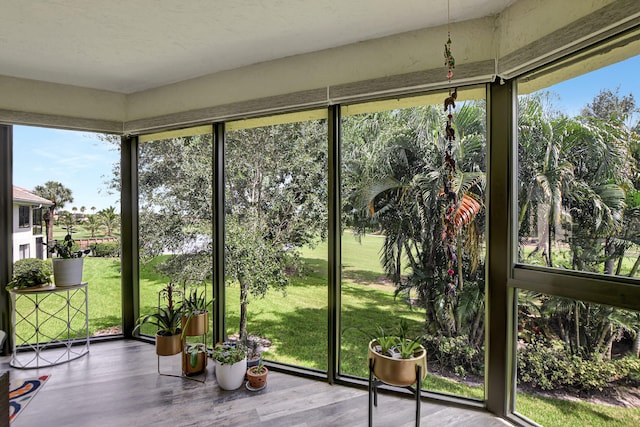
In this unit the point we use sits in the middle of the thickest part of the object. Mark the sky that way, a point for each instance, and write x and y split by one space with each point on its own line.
83 163
78 160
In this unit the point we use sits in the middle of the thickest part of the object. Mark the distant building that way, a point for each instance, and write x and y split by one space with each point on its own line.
28 229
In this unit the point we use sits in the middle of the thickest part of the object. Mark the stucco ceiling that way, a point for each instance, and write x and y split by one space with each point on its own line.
132 45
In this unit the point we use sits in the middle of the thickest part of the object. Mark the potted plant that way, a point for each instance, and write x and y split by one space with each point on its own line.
194 358
254 352
257 376
395 357
30 273
67 267
195 314
167 320
230 364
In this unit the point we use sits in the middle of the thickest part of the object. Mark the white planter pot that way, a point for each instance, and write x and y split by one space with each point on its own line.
67 272
231 377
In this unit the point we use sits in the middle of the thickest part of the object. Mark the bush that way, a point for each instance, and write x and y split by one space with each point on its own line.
546 367
107 250
30 272
456 354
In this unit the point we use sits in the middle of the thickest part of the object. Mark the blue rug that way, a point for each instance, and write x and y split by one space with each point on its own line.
21 391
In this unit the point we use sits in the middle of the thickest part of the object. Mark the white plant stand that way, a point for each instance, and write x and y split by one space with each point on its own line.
63 312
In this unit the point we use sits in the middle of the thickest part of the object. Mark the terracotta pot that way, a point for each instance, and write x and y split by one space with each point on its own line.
168 345
67 272
201 363
400 372
197 325
257 380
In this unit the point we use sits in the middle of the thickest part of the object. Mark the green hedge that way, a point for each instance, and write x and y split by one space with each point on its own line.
107 250
547 367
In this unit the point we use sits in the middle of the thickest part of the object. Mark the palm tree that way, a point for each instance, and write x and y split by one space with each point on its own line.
109 219
56 193
399 183
92 224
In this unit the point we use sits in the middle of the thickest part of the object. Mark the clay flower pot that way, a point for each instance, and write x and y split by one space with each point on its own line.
256 380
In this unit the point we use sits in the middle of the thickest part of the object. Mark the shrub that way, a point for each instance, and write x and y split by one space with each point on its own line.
456 354
107 249
30 272
546 367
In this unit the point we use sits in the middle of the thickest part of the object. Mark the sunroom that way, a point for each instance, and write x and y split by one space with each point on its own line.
294 163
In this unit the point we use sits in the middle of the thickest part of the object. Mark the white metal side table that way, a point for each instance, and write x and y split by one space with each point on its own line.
50 325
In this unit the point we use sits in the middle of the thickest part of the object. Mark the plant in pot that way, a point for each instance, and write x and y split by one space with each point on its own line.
167 321
67 267
30 273
395 358
257 376
194 358
254 352
230 364
195 314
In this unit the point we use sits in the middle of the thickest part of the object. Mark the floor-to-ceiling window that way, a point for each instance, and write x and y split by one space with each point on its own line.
275 236
175 173
578 200
413 243
75 177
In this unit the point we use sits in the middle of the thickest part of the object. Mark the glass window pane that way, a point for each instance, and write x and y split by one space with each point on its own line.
571 348
276 223
578 180
69 181
175 184
401 183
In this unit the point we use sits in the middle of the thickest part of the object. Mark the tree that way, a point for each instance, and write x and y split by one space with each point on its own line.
92 224
275 203
395 170
59 195
109 219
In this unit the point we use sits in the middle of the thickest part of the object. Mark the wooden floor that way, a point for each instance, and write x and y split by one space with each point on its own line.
117 384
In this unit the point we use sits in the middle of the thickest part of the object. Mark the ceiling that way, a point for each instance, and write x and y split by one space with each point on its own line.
128 46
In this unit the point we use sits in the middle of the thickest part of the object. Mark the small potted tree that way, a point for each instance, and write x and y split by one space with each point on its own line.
67 267
167 320
230 364
257 376
30 273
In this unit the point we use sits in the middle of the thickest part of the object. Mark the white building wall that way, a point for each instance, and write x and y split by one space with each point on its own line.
24 235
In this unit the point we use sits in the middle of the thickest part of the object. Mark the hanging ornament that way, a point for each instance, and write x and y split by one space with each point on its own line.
449 194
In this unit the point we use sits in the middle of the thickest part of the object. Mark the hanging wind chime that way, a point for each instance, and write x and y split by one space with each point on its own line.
449 193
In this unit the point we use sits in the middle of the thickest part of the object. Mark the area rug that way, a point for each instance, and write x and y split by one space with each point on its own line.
21 391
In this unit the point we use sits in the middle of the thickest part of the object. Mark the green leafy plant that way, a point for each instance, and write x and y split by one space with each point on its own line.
67 248
228 354
167 319
30 272
397 343
195 303
258 369
193 349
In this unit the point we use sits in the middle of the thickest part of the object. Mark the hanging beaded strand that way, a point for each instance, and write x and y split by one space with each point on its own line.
449 194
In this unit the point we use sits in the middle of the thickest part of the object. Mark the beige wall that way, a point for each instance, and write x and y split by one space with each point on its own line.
508 35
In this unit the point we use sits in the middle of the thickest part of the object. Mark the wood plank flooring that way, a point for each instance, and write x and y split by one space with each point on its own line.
117 384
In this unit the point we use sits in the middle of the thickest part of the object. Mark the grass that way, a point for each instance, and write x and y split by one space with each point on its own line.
551 412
